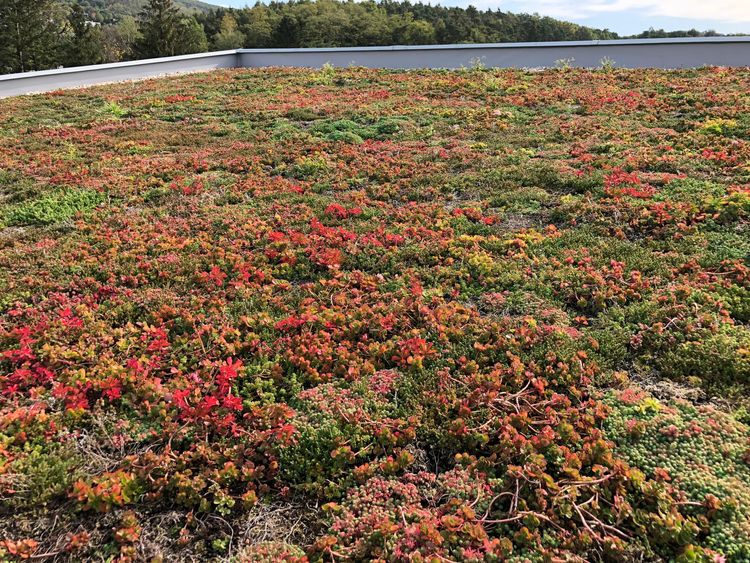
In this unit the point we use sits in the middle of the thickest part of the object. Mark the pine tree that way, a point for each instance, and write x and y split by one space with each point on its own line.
86 45
30 34
159 27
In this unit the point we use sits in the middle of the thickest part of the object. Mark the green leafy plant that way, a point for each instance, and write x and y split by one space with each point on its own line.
115 109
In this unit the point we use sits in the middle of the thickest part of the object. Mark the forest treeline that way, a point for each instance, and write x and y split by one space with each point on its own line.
52 33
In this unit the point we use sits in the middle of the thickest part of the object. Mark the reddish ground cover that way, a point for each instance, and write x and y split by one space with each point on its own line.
291 315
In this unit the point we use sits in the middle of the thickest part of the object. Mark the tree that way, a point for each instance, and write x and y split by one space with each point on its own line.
30 34
229 36
191 38
287 32
417 32
159 29
86 44
120 40
259 25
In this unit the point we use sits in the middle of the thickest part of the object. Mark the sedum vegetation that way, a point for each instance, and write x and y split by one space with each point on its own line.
349 315
704 452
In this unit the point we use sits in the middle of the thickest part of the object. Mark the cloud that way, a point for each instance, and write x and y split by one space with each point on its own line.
734 11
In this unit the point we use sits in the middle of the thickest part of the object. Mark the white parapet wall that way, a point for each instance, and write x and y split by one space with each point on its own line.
626 53
81 76
668 53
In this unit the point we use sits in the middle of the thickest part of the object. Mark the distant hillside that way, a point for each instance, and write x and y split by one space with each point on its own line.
108 11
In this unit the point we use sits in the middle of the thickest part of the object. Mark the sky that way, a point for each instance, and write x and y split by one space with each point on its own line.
625 17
